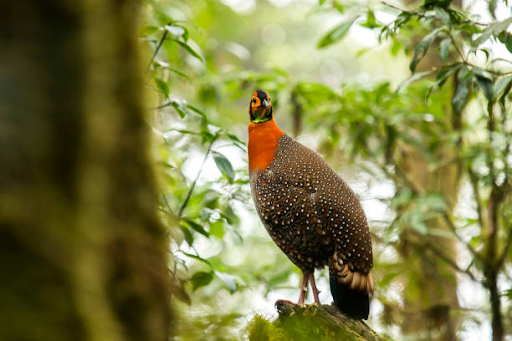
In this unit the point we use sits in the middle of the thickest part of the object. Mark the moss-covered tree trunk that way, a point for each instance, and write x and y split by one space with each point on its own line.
431 301
430 297
82 254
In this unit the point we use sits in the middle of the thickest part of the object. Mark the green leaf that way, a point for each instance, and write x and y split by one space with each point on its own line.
494 29
396 47
339 6
228 280
432 202
175 30
402 19
197 227
197 111
402 197
437 3
189 49
444 49
224 165
417 224
371 22
165 165
217 229
207 137
236 141
163 87
179 73
200 279
460 98
160 63
189 238
180 293
190 255
421 49
147 30
506 39
414 77
230 216
180 107
486 51
486 85
501 85
447 71
336 34
441 233
443 15
234 138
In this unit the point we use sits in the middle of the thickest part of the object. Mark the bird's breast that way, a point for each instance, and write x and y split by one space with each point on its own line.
263 142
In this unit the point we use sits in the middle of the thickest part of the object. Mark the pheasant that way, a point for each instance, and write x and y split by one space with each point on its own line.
309 211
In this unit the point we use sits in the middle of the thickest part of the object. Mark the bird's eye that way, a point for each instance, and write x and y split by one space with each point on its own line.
253 100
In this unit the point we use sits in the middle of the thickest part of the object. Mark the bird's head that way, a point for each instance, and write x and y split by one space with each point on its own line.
260 107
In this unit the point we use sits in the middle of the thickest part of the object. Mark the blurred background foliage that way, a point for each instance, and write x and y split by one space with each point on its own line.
409 101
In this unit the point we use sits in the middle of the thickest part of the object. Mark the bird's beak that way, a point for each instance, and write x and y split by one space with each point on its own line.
264 103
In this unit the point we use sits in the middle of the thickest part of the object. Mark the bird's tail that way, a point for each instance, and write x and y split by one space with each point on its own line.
354 303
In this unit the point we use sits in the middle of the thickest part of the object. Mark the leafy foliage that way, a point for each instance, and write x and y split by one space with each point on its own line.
452 112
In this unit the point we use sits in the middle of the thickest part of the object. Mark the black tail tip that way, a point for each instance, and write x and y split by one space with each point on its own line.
353 303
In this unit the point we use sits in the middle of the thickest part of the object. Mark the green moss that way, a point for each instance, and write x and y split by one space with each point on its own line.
261 329
309 323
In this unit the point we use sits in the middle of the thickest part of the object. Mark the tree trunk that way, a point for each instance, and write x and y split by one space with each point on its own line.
429 305
498 331
435 298
82 252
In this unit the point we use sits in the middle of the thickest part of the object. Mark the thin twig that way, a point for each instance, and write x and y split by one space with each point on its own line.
400 177
453 229
504 120
457 48
478 197
168 104
185 203
452 263
167 204
158 47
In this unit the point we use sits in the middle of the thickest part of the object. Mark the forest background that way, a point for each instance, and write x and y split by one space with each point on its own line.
409 102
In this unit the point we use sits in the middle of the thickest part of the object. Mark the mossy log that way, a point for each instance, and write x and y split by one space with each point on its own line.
311 322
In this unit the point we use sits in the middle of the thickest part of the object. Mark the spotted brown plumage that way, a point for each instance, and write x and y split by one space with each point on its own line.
309 211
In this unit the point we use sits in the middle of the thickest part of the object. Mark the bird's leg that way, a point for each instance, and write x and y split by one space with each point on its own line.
313 287
303 288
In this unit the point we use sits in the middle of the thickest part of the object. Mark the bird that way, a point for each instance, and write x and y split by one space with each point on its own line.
310 212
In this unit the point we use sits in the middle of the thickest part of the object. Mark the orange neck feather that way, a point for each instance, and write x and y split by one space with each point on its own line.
263 140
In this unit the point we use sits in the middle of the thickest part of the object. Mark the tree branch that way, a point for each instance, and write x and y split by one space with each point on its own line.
478 198
506 249
185 203
452 263
453 229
